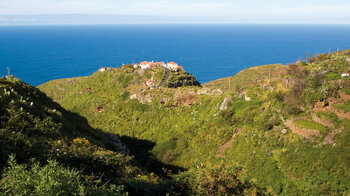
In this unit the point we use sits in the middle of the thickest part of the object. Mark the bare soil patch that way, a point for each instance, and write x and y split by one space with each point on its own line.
308 134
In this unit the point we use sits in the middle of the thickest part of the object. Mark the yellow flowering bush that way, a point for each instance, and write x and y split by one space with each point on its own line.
83 141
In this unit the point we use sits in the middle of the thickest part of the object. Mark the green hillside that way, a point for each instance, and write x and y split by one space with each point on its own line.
284 128
47 150
287 127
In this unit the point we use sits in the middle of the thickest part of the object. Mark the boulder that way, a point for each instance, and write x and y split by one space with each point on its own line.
217 92
224 104
203 91
134 96
284 131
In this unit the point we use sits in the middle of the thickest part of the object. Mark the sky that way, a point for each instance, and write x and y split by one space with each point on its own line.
284 11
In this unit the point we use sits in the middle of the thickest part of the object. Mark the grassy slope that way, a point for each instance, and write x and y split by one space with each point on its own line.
248 133
33 126
250 77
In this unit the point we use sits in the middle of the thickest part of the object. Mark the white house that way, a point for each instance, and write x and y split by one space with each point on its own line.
172 65
345 75
162 64
145 65
135 65
102 69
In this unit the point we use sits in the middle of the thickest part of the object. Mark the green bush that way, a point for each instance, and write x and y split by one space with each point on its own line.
51 179
279 95
226 178
333 76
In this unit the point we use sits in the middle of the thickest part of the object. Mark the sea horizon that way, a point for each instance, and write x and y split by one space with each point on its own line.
40 53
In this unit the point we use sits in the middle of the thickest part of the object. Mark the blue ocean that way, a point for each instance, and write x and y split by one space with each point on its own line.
37 54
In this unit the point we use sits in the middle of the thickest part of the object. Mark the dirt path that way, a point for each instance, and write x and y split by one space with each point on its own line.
228 144
166 76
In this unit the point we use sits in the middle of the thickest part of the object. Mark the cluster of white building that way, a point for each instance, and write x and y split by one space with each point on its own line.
147 65
345 75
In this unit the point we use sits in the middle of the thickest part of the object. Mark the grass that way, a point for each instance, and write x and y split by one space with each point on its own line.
35 127
333 76
345 106
328 116
191 136
249 77
347 91
309 125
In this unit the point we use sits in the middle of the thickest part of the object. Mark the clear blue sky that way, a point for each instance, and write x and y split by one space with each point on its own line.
320 11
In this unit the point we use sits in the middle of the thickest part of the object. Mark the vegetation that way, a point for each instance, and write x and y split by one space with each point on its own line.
180 140
309 125
51 179
53 145
345 106
181 78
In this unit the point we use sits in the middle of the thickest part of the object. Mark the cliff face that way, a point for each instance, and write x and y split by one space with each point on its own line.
286 126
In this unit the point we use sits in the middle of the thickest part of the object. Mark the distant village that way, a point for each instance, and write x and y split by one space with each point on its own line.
148 65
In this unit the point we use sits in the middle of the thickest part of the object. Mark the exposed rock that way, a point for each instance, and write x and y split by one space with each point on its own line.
284 131
329 139
203 91
186 99
99 109
133 96
324 72
243 93
117 143
226 101
207 91
217 92
164 100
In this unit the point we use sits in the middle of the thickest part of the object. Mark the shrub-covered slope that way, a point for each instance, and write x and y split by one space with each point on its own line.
287 127
54 151
47 150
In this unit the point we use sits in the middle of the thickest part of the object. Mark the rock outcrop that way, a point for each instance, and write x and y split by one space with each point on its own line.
224 104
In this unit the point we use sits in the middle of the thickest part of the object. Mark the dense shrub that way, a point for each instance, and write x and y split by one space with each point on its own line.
51 179
225 178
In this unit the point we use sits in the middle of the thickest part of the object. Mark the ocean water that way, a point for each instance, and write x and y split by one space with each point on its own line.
37 54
